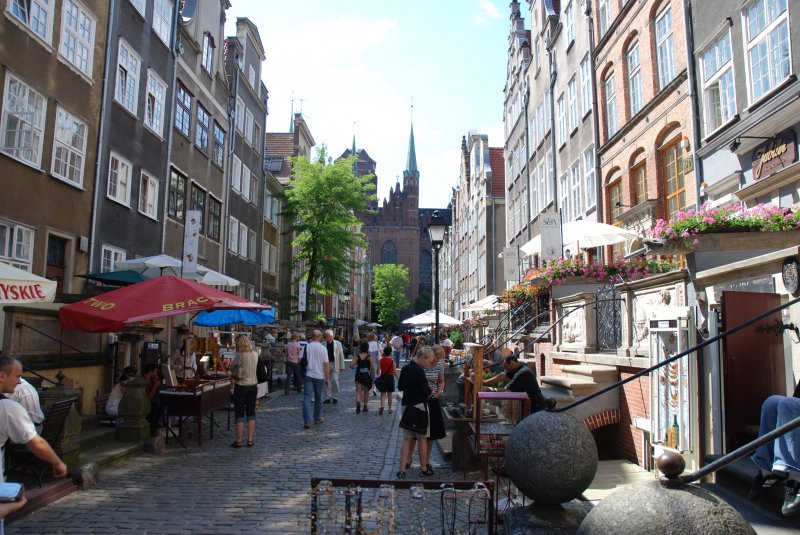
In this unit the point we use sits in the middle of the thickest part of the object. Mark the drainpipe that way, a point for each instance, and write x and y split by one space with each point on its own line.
554 148
262 154
101 136
173 52
694 97
527 164
598 179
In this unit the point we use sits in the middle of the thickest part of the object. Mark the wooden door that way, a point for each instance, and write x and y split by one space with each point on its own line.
753 363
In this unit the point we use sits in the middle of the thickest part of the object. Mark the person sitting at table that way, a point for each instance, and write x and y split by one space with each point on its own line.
150 374
115 396
185 365
521 378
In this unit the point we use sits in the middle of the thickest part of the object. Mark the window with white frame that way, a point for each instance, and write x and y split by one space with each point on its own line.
275 215
35 14
245 182
218 152
604 16
634 79
768 45
251 76
256 135
563 197
183 110
201 131
242 240
533 193
109 258
719 96
16 245
586 85
537 53
139 5
665 55
572 96
540 119
273 259
239 114
588 176
155 103
162 20
236 174
208 53
127 89
611 105
24 112
264 256
253 189
561 122
248 127
569 23
77 36
148 196
119 179
543 180
251 249
575 188
69 147
233 235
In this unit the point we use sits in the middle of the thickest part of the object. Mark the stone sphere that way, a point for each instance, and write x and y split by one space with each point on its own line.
551 457
653 509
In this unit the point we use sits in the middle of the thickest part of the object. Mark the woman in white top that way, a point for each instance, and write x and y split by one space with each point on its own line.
373 353
115 396
245 389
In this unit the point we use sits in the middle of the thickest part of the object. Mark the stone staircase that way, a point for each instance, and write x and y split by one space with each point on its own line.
579 381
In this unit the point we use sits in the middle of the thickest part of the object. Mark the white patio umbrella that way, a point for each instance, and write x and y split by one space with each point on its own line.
373 325
17 286
584 234
215 278
152 266
429 318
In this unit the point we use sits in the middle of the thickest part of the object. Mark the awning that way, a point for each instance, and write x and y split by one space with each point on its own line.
116 278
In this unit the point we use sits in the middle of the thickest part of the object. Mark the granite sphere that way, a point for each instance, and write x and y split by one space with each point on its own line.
551 457
654 509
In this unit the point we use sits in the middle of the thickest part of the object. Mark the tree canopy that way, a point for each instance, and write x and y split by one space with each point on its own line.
389 291
321 202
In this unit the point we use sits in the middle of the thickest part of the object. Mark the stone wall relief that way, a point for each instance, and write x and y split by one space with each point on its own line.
644 307
573 330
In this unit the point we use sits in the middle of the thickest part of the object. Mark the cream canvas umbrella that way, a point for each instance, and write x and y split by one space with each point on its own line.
584 234
18 287
429 318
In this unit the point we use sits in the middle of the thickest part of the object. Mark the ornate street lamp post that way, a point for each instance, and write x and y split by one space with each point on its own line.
436 229
347 334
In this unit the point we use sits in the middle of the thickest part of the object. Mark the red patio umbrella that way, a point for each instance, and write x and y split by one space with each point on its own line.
154 298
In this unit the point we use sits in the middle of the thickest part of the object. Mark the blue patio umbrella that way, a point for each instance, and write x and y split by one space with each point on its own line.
216 318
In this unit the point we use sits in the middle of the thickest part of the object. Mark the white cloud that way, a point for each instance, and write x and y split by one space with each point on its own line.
489 9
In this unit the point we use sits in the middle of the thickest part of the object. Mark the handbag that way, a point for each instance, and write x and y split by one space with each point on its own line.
261 371
415 418
364 377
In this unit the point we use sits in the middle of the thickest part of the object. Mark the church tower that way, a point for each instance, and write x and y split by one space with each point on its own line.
411 184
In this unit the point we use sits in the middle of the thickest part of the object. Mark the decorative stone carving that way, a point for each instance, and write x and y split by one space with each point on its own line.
573 327
644 307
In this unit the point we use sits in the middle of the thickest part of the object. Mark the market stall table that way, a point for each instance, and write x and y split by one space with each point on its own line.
197 398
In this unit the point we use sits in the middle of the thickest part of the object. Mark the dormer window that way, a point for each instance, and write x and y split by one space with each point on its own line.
208 52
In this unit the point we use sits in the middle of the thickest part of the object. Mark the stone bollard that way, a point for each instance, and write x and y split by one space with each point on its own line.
133 410
155 445
90 475
66 449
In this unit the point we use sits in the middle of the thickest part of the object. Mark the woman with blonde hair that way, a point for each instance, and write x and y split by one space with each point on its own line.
245 389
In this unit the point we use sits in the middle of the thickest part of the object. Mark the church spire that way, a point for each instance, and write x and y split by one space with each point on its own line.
411 162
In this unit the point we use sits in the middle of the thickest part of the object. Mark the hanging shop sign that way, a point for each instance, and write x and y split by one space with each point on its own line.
775 155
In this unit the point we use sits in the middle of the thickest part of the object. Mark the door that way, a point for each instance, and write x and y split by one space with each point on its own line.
56 261
753 363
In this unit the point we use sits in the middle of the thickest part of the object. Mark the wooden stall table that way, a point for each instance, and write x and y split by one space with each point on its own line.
489 432
197 398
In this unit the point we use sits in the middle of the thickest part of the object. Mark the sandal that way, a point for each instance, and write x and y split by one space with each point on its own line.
401 475
236 444
250 443
427 472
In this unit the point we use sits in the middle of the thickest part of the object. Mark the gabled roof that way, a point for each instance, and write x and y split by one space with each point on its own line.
496 160
280 146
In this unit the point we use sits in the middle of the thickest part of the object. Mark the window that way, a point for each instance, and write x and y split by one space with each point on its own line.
119 179
245 182
236 174
719 97
243 240
611 106
16 246
389 253
248 127
35 14
109 258
218 152
534 197
634 79
183 110
563 197
162 20
202 129
639 183
127 91
208 53
251 76
251 247
264 256
588 176
233 235
604 16
154 105
69 147
537 53
572 96
77 36
139 5
148 196
273 259
767 45
214 217
664 52
615 200
575 197
561 136
673 177
540 118
176 208
24 112
586 86
569 24
253 189
198 202
256 137
543 180
239 114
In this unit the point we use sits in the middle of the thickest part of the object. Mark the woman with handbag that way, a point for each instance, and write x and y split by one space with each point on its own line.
386 380
414 421
363 366
245 389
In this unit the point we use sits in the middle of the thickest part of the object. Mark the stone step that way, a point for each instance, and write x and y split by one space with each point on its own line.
40 497
94 436
576 386
561 396
592 372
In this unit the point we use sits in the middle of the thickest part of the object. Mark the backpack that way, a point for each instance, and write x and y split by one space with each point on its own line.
304 360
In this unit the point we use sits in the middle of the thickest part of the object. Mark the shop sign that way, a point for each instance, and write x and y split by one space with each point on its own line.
762 284
774 155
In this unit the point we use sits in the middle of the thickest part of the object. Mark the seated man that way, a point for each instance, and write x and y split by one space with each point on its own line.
521 378
779 460
27 396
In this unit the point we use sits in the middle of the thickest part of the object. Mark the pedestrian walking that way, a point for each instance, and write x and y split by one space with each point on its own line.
293 372
317 376
336 365
362 364
245 390
397 347
386 380
414 422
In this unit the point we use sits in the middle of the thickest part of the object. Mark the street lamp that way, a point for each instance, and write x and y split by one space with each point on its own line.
346 315
436 229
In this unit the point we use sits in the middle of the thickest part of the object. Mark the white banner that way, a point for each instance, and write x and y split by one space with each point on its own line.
511 264
301 296
191 241
550 230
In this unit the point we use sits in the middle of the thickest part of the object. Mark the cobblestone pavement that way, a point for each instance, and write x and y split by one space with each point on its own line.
217 489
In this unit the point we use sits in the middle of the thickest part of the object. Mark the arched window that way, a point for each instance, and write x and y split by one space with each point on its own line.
389 253
425 269
611 104
634 79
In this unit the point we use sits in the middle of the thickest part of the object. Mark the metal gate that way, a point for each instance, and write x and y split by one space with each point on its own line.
608 319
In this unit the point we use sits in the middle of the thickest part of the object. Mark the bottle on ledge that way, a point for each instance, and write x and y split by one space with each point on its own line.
673 433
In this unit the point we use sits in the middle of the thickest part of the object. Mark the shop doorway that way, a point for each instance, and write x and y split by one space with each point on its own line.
56 260
753 364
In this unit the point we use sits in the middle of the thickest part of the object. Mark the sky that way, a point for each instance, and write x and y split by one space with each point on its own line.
355 66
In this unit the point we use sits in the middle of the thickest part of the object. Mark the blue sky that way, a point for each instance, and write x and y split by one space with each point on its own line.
357 64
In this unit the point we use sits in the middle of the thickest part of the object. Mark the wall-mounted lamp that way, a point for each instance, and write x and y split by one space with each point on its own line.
737 141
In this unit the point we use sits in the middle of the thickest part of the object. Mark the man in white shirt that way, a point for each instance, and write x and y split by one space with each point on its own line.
316 378
397 348
26 395
336 362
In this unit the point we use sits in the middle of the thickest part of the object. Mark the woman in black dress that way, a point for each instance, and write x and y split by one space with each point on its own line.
363 366
416 392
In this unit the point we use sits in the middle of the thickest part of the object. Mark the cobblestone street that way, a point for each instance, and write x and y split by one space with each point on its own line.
218 489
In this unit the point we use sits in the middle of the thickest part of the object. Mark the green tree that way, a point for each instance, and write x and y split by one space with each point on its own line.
389 291
321 201
422 303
